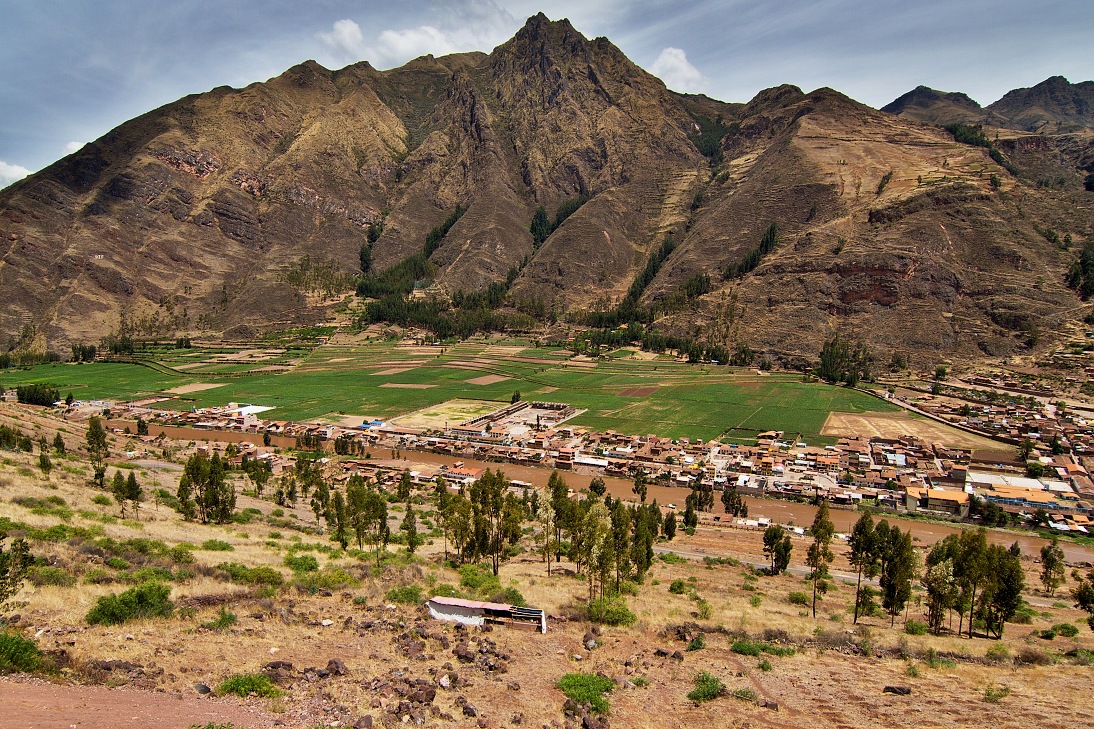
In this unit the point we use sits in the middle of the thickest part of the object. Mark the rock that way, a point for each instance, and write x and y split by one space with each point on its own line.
570 707
773 705
365 722
591 722
445 682
277 666
576 657
898 690
336 667
326 623
202 689
662 653
513 686
677 655
470 710
424 695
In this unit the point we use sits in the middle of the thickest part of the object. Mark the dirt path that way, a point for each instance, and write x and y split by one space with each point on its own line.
34 703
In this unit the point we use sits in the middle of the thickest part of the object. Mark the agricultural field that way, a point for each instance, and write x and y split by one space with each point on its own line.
371 379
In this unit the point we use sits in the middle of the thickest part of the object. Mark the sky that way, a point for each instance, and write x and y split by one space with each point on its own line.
74 69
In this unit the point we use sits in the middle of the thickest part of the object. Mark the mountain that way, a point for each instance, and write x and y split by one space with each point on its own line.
238 209
935 107
1054 106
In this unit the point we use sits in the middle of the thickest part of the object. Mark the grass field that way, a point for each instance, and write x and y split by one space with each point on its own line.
382 379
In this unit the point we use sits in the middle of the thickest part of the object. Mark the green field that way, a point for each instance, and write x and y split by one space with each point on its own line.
625 395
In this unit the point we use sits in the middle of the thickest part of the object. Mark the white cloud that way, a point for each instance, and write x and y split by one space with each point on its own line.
402 45
71 147
673 67
10 173
346 40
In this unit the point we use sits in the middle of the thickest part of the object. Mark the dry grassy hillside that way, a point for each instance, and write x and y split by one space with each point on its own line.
398 663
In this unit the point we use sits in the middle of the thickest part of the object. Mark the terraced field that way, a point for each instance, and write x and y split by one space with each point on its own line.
383 379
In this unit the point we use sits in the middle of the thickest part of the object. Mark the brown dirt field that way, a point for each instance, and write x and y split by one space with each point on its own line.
451 412
33 703
392 371
638 392
407 385
195 387
487 380
894 425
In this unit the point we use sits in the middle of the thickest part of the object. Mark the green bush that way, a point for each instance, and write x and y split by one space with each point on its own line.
217 545
181 554
611 611
149 600
764 665
18 653
705 610
993 694
445 590
746 647
509 596
117 563
1067 630
150 574
224 620
998 653
479 579
407 595
302 563
697 643
707 687
252 575
51 576
755 601
587 688
914 627
246 684
678 587
328 578
800 598
744 694
98 576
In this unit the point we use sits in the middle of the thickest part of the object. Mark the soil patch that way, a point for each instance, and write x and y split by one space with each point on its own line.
392 371
452 412
894 425
194 387
48 706
637 392
407 385
487 380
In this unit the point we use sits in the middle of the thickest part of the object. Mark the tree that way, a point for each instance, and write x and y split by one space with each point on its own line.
670 526
597 487
691 517
820 551
733 503
971 568
1052 566
97 448
897 563
336 520
772 536
1025 448
865 556
14 564
541 227
488 506
941 590
119 491
45 463
320 501
640 489
204 490
409 527
545 516
941 372
782 554
515 397
1082 593
402 491
458 525
142 426
134 492
1001 596
58 444
366 259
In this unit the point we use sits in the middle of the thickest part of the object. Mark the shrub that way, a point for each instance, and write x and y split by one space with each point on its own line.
251 575
1067 630
302 563
224 620
50 576
800 598
150 574
98 576
445 590
18 653
755 601
935 661
143 601
479 579
181 554
587 688
998 653
671 558
216 545
1048 634
697 643
705 610
914 627
764 665
993 694
117 563
246 684
707 687
678 587
611 611
509 596
746 647
407 595
744 694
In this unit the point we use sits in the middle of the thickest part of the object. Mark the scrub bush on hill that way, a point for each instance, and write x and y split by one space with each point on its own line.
149 600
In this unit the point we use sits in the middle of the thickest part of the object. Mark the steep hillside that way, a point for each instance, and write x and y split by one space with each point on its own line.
238 209
936 107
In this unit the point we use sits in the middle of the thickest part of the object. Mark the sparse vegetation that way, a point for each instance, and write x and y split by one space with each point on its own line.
149 600
587 688
245 684
707 688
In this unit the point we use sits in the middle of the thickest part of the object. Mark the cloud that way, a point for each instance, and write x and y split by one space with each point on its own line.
71 147
673 68
346 40
401 45
10 173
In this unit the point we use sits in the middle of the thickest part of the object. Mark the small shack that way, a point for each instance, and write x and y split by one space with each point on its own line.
473 612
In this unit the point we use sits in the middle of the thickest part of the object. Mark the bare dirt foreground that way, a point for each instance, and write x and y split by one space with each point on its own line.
42 705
